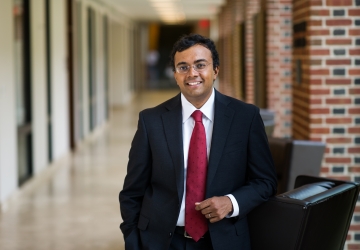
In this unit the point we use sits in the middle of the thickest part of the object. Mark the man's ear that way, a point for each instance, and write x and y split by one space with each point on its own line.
216 72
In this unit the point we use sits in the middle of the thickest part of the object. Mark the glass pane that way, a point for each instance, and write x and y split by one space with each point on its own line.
19 62
79 73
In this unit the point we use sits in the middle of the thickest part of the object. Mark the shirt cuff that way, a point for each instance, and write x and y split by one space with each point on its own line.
235 206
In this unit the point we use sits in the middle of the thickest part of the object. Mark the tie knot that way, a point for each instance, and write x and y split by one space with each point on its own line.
197 115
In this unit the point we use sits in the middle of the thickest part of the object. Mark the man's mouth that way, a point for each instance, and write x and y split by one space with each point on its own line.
193 83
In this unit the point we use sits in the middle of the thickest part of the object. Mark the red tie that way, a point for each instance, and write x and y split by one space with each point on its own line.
196 223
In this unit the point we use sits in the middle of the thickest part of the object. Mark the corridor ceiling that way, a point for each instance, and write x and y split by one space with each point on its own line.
171 11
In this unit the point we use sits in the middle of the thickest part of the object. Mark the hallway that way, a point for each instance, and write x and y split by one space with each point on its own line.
74 203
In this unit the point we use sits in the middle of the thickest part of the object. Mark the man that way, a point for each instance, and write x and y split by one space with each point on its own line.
198 164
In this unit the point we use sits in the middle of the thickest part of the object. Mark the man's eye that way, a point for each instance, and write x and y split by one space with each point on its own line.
200 65
183 68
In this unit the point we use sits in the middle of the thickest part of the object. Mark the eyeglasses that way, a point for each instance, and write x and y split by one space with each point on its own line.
199 67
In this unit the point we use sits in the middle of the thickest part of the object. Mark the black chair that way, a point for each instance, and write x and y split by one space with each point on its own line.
293 158
315 215
281 150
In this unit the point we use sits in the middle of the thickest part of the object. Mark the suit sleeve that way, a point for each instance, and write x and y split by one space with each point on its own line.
135 185
261 176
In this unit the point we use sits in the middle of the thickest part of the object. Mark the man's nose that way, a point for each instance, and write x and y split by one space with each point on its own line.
192 71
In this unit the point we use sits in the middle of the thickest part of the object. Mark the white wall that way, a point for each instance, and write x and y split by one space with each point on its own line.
120 81
39 86
85 71
8 134
59 80
115 64
120 86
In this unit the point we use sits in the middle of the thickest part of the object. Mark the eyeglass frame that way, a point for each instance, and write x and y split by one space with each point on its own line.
193 66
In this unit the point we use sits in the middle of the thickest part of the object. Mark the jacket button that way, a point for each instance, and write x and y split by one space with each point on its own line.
170 234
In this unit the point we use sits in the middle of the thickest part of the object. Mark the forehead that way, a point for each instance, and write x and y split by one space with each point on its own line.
192 54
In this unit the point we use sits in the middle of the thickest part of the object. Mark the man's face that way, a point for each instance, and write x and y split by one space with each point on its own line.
195 86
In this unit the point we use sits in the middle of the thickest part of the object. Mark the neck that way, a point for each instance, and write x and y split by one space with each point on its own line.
199 103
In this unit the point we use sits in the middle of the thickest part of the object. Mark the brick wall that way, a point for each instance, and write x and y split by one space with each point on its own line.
327 98
225 22
278 58
312 75
279 67
252 7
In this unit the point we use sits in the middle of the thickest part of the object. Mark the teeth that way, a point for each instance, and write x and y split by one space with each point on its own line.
193 83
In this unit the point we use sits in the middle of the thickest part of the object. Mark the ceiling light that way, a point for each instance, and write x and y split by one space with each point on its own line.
163 1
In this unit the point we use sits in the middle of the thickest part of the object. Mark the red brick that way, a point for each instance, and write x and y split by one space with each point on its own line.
339 140
315 101
325 170
353 246
354 111
313 138
354 91
322 72
320 130
342 178
354 12
338 2
338 101
354 72
338 62
354 150
354 169
315 62
355 130
354 52
354 32
319 32
355 228
316 120
318 13
345 160
316 42
320 91
341 81
338 42
315 23
315 81
319 52
338 22
285 15
316 3
320 111
338 120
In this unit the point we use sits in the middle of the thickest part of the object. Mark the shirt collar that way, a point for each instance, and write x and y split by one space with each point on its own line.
207 109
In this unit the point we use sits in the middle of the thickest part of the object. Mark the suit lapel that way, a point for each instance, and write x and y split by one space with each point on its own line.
172 121
222 121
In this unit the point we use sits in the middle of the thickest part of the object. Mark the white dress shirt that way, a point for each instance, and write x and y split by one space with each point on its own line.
188 123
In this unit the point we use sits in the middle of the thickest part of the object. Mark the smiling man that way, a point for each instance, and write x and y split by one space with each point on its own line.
198 163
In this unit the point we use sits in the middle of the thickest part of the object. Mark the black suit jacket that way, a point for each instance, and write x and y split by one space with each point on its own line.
240 164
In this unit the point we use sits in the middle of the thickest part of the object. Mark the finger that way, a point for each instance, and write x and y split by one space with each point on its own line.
206 211
214 219
202 205
207 216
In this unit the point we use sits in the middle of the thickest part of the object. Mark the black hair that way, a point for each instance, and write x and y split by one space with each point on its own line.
188 41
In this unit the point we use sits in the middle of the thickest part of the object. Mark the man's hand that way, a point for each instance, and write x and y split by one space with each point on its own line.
215 209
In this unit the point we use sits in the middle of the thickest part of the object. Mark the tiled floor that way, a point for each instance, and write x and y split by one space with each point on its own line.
74 203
